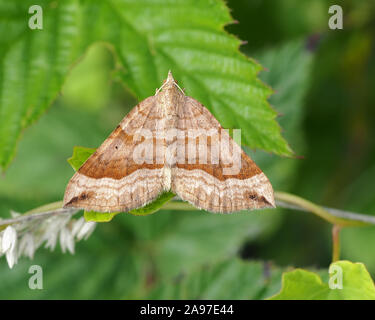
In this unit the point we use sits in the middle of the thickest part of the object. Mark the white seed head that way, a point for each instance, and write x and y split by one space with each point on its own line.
86 230
27 246
9 239
66 240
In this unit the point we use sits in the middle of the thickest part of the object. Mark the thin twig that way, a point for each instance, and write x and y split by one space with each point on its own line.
334 216
336 243
335 212
39 215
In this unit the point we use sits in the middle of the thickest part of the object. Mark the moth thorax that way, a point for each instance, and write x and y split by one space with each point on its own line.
169 99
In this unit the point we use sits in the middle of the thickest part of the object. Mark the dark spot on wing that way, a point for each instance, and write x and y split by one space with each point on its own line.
83 196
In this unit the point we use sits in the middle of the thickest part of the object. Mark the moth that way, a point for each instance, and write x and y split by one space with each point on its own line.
169 142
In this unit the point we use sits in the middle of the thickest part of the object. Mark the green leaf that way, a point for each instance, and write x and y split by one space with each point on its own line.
148 39
305 285
231 279
80 155
99 216
33 65
154 205
289 73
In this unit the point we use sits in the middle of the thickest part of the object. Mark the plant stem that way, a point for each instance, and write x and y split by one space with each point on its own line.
42 212
334 216
336 243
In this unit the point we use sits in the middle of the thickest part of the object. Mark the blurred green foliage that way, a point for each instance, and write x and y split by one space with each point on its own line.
324 84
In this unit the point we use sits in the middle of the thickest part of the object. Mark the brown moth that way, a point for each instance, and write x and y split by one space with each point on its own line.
169 142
